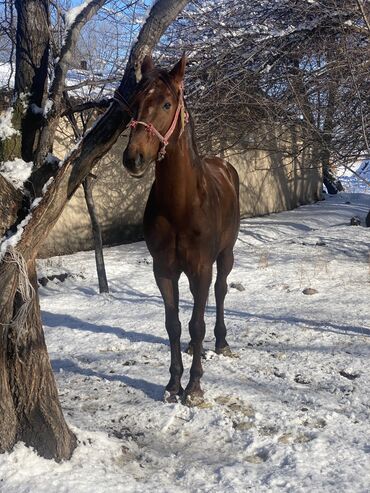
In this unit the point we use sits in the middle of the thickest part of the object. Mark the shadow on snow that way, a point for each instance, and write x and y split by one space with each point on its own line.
152 390
56 320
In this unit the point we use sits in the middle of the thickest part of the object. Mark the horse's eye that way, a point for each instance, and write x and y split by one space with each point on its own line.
167 106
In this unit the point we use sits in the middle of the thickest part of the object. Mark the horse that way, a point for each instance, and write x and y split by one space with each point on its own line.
191 218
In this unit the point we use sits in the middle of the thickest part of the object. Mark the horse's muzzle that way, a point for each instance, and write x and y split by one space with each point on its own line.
135 165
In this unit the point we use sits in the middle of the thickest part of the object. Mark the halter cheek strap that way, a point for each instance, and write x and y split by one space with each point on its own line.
150 128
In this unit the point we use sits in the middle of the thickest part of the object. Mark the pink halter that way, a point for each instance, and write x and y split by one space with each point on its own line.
150 128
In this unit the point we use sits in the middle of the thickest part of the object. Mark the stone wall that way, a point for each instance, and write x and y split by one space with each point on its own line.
270 181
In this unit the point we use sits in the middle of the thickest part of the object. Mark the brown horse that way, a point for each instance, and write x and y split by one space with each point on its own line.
191 218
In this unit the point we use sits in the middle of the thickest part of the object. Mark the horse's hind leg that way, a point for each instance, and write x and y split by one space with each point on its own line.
170 294
225 262
199 286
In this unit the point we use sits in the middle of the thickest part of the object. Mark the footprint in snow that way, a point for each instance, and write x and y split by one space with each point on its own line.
290 438
240 412
258 457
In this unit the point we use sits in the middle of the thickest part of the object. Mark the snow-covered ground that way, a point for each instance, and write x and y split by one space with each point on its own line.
351 182
291 413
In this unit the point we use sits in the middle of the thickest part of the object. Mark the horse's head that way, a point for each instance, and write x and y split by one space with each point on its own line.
158 102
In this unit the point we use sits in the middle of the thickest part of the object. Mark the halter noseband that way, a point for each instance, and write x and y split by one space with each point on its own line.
150 128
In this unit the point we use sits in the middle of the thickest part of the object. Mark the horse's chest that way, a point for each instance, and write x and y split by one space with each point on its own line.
184 250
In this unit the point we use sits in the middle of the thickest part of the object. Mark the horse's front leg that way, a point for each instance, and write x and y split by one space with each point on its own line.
199 286
168 287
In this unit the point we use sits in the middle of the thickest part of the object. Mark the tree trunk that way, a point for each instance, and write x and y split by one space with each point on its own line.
40 421
95 226
326 138
29 406
96 230
32 57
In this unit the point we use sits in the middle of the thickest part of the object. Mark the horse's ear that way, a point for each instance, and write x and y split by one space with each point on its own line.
147 64
178 71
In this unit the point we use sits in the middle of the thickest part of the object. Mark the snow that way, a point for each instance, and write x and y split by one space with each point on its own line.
289 414
11 241
48 106
351 182
47 185
6 126
16 171
72 13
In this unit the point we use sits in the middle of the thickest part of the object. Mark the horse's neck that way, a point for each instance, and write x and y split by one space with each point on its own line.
178 174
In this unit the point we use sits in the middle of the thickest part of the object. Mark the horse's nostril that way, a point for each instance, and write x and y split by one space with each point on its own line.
139 160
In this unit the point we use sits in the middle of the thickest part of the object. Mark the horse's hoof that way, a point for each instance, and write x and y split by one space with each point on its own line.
190 350
171 397
226 351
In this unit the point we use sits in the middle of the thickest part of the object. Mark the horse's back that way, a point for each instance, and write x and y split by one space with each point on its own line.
223 174
222 182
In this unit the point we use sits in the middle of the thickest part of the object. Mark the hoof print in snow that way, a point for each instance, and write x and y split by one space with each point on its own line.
226 351
310 291
129 362
237 285
258 457
349 376
279 356
236 405
315 423
196 401
242 425
320 243
268 431
355 221
145 261
289 438
301 380
279 374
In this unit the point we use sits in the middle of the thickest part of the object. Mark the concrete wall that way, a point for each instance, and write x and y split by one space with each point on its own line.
278 179
269 182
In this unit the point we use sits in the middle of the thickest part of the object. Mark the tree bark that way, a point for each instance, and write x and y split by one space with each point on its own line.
40 421
29 406
96 231
327 136
32 57
10 203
